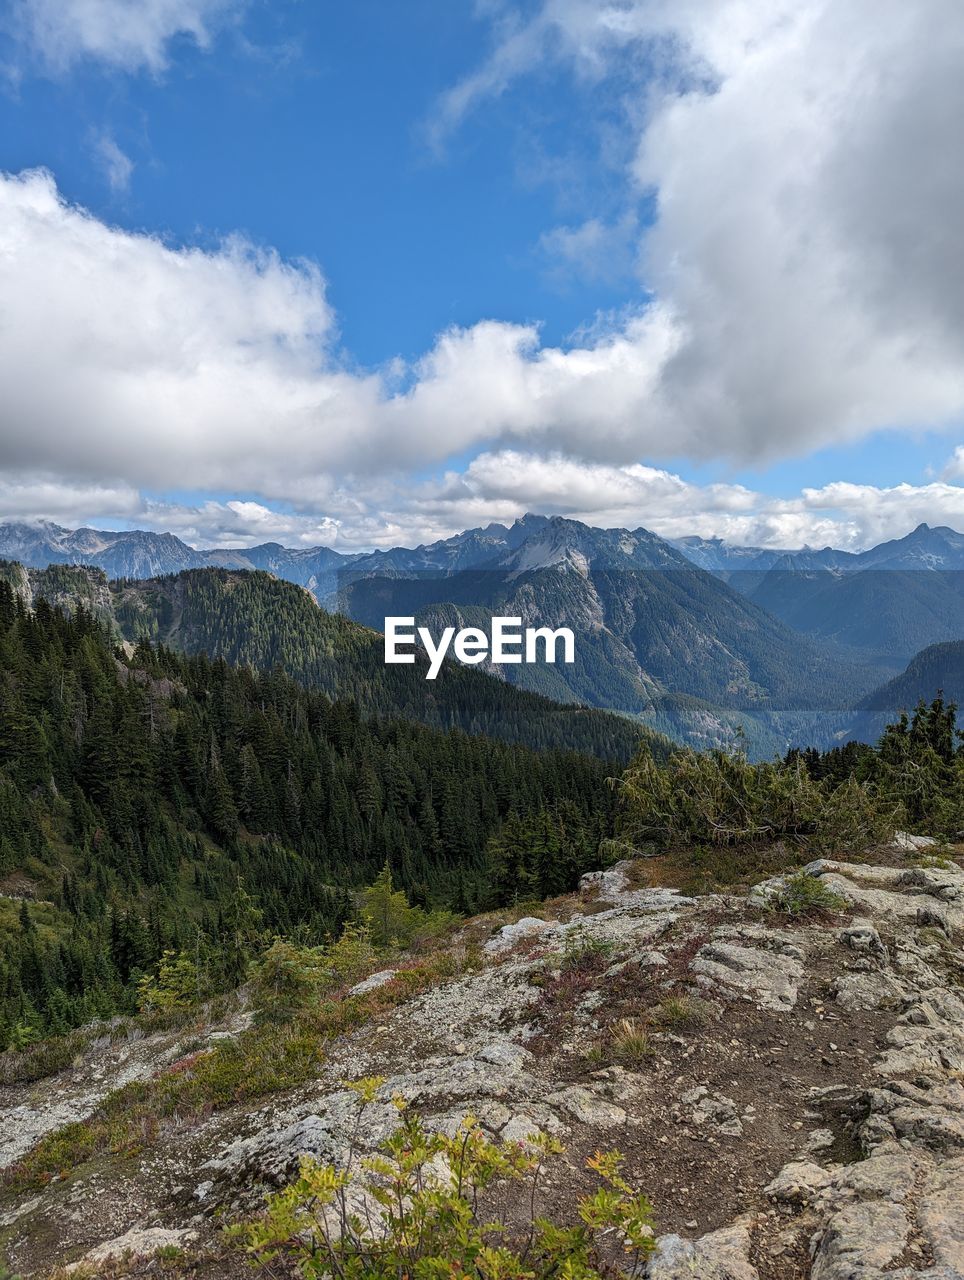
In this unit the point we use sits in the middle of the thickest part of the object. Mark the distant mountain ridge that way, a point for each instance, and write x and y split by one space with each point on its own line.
133 553
696 636
923 548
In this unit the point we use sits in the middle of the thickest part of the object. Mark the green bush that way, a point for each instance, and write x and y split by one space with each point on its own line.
720 798
416 1210
289 979
802 894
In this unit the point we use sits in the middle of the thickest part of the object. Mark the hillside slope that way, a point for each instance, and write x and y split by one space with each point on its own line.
784 1092
156 802
938 668
253 619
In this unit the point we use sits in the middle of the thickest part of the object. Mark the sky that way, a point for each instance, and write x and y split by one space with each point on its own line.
370 274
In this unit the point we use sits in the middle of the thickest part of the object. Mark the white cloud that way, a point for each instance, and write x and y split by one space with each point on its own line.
802 285
117 166
501 486
504 485
130 35
809 186
593 251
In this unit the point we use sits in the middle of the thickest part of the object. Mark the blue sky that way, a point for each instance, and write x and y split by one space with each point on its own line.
308 129
595 177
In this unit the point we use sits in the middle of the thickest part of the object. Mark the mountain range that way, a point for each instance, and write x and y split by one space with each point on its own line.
692 637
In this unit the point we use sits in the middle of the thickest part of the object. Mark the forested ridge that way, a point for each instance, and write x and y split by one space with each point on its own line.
161 802
251 618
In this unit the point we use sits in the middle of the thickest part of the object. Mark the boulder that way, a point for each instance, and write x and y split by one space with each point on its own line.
719 1255
799 1182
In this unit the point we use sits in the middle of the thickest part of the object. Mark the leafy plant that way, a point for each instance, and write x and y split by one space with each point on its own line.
419 1208
720 798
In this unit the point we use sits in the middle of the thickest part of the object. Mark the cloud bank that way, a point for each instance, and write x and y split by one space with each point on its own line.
801 285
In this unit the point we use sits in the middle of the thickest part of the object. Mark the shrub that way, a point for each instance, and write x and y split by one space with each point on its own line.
720 798
584 952
288 978
392 921
176 985
684 1012
415 1209
802 894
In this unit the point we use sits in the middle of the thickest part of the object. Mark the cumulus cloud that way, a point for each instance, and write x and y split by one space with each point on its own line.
505 484
129 35
386 511
809 188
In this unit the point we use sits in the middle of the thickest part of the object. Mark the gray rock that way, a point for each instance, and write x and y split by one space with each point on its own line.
371 983
587 1107
887 1176
941 1215
861 935
820 1140
527 927
870 990
860 1241
799 1182
719 1255
908 843
766 977
138 1242
520 1129
610 884
504 1053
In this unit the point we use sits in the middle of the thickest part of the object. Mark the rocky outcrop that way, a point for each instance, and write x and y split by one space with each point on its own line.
790 1096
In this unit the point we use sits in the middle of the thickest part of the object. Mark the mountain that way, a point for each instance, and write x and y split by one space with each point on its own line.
252 619
727 559
885 603
690 659
938 668
922 548
656 637
886 614
153 802
128 554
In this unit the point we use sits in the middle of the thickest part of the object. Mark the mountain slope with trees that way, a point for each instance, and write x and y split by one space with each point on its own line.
157 803
251 618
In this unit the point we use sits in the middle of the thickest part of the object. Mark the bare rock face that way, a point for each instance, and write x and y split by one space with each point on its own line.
941 1214
861 1240
139 1242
